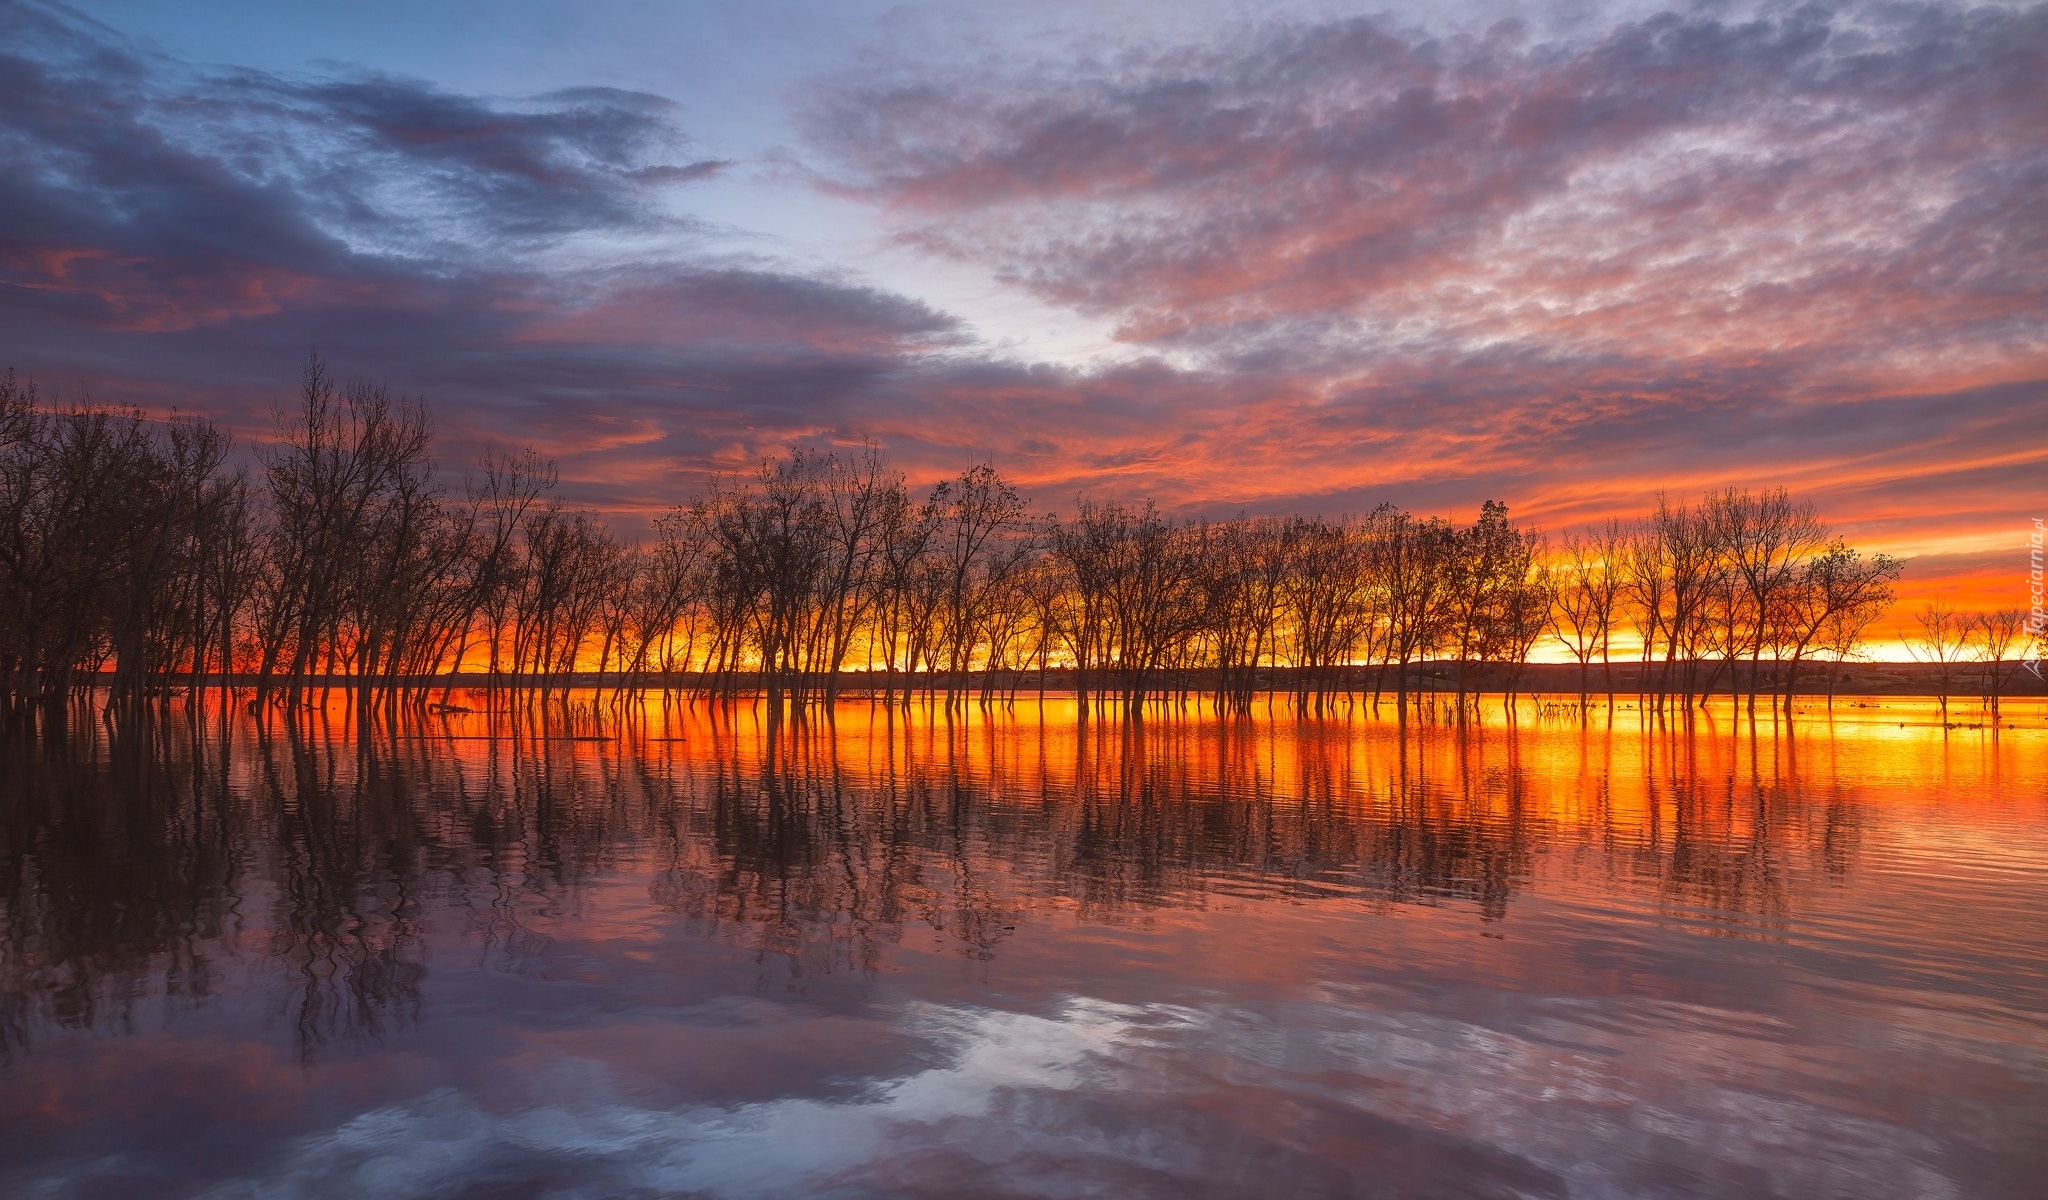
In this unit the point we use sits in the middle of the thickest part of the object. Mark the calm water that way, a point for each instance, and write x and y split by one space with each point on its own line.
1007 957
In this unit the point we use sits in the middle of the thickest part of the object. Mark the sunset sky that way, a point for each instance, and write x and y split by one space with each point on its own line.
1279 257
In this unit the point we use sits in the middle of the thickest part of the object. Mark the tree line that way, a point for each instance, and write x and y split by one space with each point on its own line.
141 558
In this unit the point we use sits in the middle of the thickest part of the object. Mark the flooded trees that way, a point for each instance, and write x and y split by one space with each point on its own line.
123 549
2002 642
353 509
1830 601
1743 587
1587 579
135 554
1324 604
1768 540
499 500
1942 638
572 566
1246 565
1495 592
981 544
1414 561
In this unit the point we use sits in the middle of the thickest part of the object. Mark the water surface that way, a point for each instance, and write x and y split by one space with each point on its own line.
1008 954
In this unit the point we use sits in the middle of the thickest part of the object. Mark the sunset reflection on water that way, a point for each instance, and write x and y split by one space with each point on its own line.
1008 952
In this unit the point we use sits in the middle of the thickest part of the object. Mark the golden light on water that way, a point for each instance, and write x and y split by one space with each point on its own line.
689 918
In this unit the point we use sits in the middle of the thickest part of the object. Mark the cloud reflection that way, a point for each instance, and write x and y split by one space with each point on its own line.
1325 1097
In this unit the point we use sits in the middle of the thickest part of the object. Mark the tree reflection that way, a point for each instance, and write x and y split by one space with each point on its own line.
347 854
315 862
120 862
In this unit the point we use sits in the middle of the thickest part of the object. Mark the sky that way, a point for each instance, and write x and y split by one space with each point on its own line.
1277 257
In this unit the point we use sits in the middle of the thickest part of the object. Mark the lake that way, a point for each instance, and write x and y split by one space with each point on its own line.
684 952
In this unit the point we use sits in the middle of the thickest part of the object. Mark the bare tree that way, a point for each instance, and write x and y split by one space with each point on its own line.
1944 639
982 543
1767 538
2001 637
353 564
1832 601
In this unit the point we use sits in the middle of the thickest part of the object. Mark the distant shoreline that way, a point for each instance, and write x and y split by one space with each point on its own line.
1551 679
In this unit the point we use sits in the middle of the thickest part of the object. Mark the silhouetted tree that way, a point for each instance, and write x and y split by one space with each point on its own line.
134 553
1943 639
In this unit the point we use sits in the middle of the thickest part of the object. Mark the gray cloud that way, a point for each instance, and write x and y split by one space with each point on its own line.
1856 181
171 236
